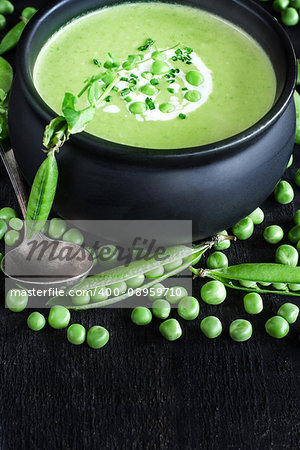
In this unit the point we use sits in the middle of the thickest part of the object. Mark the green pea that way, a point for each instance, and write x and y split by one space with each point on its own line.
192 96
289 312
137 108
92 254
188 308
161 308
6 7
28 12
76 334
224 244
100 295
59 317
194 77
16 300
73 235
170 329
253 303
213 292
264 283
284 193
16 224
294 287
217 260
7 213
257 216
11 237
297 217
1 257
36 321
290 163
294 234
297 178
2 22
158 56
166 108
108 255
240 330
290 17
211 327
57 227
277 327
118 288
288 255
247 284
279 286
81 299
175 294
279 5
146 75
141 315
155 273
97 337
295 4
3 228
244 229
273 234
160 68
173 265
6 77
149 90
156 291
136 281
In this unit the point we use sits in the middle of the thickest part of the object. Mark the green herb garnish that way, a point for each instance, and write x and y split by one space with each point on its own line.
148 43
171 90
154 82
150 103
182 116
97 62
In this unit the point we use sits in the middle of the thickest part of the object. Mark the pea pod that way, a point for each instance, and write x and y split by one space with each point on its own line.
42 195
12 38
6 75
256 273
297 106
123 273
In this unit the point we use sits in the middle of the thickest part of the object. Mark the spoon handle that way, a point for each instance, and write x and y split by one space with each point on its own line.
15 175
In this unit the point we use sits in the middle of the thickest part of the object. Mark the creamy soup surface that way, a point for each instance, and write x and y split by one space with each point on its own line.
201 81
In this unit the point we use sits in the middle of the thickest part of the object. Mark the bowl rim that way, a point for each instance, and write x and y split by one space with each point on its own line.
112 149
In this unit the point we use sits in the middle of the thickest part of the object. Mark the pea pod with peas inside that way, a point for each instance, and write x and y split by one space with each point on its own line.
11 39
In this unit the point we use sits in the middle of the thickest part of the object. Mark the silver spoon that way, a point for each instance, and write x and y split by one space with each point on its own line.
41 261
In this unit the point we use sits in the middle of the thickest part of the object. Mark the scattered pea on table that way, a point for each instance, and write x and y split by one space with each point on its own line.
253 303
284 193
36 321
161 308
73 235
211 327
294 234
57 227
97 337
16 300
240 330
290 17
59 317
76 334
289 312
257 216
175 294
6 7
188 308
141 315
277 327
156 291
170 329
273 234
213 292
297 178
287 255
16 224
7 213
217 260
11 238
244 229
3 228
223 245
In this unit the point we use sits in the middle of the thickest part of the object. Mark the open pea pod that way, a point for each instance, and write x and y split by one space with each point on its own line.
263 272
122 273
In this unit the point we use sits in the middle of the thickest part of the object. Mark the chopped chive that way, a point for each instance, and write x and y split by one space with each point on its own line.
125 91
167 75
171 90
188 50
154 82
97 62
132 88
133 76
128 99
150 103
188 62
108 98
133 81
178 52
171 81
124 79
182 116
184 89
148 43
177 70
115 88
174 58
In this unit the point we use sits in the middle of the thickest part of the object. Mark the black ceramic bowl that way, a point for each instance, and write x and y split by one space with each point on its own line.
214 185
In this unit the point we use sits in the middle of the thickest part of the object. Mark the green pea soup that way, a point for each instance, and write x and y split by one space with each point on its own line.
216 78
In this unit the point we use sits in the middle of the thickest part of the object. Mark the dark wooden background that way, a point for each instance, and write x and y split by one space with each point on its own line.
141 392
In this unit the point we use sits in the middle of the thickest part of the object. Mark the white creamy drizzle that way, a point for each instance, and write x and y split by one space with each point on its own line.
111 109
185 106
